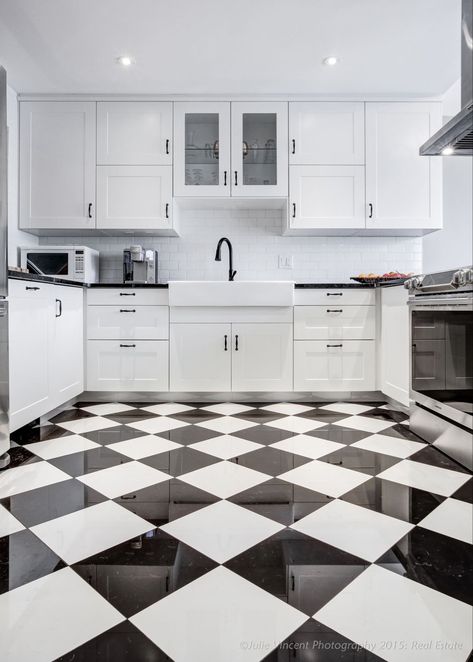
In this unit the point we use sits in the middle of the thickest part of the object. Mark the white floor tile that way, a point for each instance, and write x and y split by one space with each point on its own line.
425 477
287 408
50 616
81 425
157 424
359 531
224 479
296 424
222 530
307 446
107 408
365 423
8 523
226 619
86 532
452 518
60 446
29 477
123 479
168 408
144 446
347 408
226 446
228 408
423 625
226 424
325 478
396 447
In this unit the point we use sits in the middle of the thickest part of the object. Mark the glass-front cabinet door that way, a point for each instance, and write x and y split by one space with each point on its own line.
259 149
202 149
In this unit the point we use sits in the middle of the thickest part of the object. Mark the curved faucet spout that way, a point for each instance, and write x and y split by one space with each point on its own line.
218 256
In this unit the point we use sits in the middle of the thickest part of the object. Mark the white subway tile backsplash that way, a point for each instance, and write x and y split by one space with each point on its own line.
257 244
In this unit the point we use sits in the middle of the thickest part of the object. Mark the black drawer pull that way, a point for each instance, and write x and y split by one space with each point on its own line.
59 314
128 294
293 146
127 345
236 343
167 146
334 294
90 210
236 177
32 289
226 343
224 177
335 310
370 206
293 210
127 310
167 210
335 345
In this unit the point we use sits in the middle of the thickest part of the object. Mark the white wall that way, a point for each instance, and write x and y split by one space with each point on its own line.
257 242
453 246
15 237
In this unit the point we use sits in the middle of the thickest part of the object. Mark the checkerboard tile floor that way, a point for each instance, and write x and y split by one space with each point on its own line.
233 532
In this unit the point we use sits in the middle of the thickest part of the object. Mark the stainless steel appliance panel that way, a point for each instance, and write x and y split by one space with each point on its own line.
3 186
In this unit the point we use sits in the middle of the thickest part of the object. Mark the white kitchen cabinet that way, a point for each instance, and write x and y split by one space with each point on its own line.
262 357
127 365
322 365
327 197
394 344
134 198
57 165
259 149
200 357
134 133
127 321
326 133
202 149
334 322
403 189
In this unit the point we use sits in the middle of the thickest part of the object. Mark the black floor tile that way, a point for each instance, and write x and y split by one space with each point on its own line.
194 416
339 434
20 457
465 493
360 459
190 434
264 434
86 462
113 435
270 461
180 461
31 433
69 415
435 457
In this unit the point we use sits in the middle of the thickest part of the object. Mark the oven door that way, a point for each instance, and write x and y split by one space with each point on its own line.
441 374
57 262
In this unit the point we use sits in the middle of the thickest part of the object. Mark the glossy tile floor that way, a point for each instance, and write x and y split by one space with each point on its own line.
233 532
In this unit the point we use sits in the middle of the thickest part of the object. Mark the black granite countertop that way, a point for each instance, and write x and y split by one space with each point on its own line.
392 283
36 278
131 285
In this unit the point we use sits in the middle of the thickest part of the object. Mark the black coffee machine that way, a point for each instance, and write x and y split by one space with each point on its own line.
140 265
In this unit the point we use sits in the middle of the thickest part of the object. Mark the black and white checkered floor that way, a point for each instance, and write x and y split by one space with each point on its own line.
231 532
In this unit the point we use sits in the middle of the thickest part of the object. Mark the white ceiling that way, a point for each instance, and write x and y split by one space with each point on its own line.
386 47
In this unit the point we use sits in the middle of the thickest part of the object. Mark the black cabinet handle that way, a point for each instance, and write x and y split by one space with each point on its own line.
58 301
335 345
236 343
293 583
236 177
127 310
370 207
226 342
293 146
32 289
90 210
128 497
167 583
335 310
293 210
167 210
224 177
127 345
167 146
128 294
334 294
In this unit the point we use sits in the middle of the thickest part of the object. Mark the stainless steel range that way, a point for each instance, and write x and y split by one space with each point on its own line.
441 374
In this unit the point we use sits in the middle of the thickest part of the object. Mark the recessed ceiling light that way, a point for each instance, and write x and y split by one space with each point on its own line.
330 61
125 60
447 151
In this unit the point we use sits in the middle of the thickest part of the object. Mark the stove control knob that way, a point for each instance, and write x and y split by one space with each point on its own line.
461 277
414 283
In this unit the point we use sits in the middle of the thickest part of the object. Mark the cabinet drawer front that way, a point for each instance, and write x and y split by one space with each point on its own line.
141 296
128 321
334 366
138 365
29 289
334 297
334 322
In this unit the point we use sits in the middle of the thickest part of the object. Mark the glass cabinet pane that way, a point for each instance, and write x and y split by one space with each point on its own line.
259 149
202 149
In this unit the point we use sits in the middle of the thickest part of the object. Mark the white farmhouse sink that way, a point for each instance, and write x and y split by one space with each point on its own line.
236 293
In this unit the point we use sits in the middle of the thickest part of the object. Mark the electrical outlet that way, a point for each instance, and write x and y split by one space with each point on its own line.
285 262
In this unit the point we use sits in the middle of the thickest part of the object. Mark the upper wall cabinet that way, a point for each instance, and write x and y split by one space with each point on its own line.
403 189
57 165
134 133
326 133
259 149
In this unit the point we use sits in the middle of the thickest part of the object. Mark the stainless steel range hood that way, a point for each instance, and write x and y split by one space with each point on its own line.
457 134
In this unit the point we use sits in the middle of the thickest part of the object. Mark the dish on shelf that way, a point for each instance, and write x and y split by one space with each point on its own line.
377 279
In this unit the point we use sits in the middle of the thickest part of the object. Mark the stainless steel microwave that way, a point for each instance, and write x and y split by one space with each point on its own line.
78 263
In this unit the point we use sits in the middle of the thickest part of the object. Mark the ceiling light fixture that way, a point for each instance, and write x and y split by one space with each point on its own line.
447 151
330 61
125 60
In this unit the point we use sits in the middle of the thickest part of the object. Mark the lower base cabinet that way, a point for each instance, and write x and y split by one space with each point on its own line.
127 365
321 365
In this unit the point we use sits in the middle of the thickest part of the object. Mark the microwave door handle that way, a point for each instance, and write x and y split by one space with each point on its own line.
31 266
